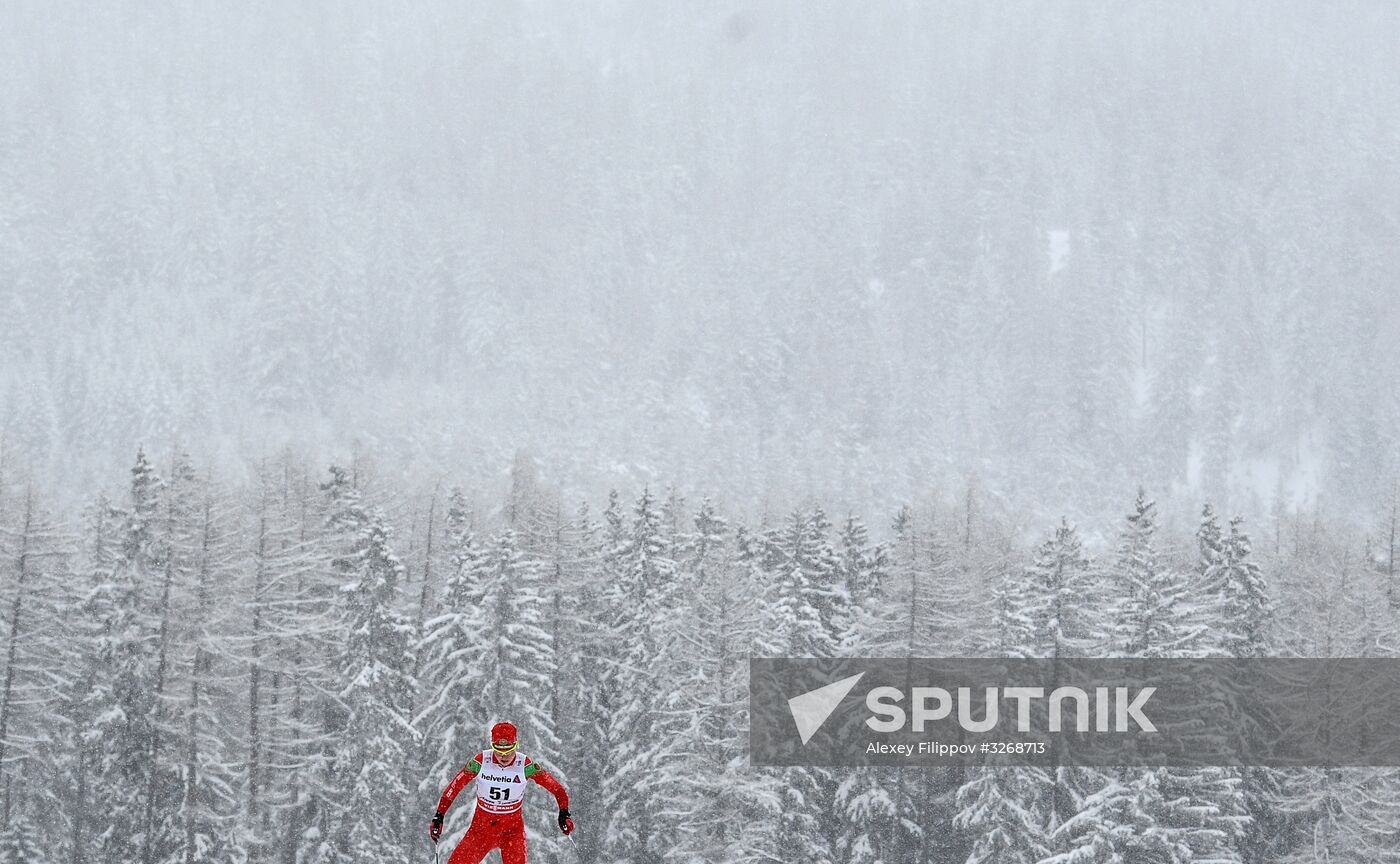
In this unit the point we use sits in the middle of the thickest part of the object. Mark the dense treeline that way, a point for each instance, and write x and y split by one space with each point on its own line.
195 672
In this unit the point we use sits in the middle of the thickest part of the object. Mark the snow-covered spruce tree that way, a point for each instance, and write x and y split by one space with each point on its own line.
698 553
517 671
802 588
802 617
1005 810
862 571
260 644
909 584
1351 814
123 723
919 568
211 771
880 820
1230 584
1238 618
1152 615
517 663
36 648
289 633
762 830
714 773
453 719
586 671
1330 606
85 691
1048 609
640 597
959 579
377 692
1033 814
1082 804
1244 594
1185 814
560 568
321 809
177 527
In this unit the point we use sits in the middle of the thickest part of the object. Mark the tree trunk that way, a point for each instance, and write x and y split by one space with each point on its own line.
153 777
255 675
16 609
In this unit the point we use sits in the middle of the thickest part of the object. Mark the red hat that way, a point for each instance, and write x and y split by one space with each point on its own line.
503 734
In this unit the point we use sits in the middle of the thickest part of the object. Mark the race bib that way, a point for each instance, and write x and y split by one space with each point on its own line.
500 788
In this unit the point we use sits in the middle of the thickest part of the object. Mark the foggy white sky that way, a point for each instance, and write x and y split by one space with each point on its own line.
870 253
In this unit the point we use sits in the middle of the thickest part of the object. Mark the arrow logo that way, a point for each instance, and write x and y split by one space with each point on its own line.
810 710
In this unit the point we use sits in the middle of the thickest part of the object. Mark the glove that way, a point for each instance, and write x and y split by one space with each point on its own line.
565 823
435 831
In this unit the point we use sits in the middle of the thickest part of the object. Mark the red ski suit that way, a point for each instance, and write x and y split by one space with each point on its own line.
503 829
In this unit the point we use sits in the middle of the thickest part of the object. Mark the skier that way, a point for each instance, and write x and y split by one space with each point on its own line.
500 791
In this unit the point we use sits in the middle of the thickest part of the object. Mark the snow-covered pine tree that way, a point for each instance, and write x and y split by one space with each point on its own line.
1238 607
640 598
1326 602
1026 813
123 724
1350 814
762 832
516 674
321 807
1151 617
1192 813
800 585
259 644
588 678
86 690
35 607
377 692
162 832
879 817
290 629
1047 609
548 557
1244 594
714 773
454 717
908 583
1237 617
919 565
518 663
431 563
862 571
211 770
562 587
806 604
1005 811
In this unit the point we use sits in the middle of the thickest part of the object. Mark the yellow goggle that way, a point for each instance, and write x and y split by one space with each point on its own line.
504 749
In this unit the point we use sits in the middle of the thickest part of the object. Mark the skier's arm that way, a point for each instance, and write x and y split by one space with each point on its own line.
465 776
534 772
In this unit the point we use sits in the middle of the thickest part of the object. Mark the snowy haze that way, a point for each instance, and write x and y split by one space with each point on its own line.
783 250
